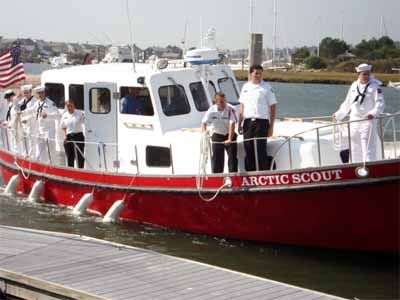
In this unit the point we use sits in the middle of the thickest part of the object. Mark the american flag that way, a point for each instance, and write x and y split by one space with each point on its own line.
11 68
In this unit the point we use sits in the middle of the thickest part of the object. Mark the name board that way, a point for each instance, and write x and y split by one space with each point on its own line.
293 178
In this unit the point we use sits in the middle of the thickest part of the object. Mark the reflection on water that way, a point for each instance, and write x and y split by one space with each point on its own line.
346 274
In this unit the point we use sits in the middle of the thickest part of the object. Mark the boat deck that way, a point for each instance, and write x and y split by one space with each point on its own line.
45 265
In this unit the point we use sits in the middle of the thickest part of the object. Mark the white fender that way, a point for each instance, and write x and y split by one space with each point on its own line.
34 195
113 213
11 188
83 204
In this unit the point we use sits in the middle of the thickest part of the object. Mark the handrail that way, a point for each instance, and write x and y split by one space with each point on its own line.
317 129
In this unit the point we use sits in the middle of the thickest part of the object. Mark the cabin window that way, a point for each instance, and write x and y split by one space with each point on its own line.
158 156
75 92
100 100
135 101
227 86
199 96
56 93
173 100
212 90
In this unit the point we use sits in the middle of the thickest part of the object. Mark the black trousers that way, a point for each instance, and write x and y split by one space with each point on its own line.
75 140
255 128
218 155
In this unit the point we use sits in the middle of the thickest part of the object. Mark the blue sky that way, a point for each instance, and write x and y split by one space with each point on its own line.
300 22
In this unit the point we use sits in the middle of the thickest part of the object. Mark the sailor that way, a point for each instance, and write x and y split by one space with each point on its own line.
29 124
222 117
72 122
46 114
257 111
130 104
364 101
12 122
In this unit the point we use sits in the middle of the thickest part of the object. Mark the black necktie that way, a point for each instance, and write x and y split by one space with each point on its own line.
39 110
8 117
25 103
362 95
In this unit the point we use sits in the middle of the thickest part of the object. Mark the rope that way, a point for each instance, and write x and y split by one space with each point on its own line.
205 146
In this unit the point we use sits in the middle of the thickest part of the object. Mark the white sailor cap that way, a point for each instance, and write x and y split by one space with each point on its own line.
8 94
39 89
364 68
26 87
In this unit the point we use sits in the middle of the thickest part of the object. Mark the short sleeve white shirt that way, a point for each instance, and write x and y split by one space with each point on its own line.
220 120
257 100
72 122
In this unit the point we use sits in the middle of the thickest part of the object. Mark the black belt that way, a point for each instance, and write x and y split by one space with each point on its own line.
74 134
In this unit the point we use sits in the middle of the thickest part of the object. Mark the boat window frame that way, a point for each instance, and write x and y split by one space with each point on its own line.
197 104
211 84
186 100
149 107
153 162
234 88
78 104
56 101
90 100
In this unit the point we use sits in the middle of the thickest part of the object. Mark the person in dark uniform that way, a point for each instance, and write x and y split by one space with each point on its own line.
222 117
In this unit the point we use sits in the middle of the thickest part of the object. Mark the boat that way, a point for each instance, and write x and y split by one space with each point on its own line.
395 85
154 167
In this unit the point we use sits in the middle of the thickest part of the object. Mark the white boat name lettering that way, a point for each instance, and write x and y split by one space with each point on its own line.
295 178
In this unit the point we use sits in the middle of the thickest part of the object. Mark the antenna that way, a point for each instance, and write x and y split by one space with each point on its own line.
383 30
184 38
342 27
251 20
274 33
201 32
131 36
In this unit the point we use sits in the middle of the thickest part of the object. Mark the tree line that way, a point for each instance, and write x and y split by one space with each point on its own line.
336 54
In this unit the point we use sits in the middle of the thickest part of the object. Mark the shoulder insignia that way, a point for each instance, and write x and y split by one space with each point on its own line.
380 91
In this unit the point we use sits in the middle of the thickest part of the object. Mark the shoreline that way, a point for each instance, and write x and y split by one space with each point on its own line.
322 77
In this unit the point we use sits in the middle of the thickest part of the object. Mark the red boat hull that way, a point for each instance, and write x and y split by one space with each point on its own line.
325 207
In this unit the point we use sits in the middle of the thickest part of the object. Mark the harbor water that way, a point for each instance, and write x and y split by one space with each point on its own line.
342 273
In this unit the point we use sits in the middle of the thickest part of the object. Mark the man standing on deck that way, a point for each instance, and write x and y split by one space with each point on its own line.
257 112
222 117
45 113
29 125
364 101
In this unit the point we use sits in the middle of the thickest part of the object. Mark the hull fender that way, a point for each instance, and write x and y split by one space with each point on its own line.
34 195
11 188
113 213
81 207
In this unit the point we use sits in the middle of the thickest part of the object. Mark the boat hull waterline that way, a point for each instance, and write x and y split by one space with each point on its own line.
326 207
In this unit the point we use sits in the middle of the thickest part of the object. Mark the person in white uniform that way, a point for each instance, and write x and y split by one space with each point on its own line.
11 132
257 112
29 124
72 122
222 118
46 114
364 101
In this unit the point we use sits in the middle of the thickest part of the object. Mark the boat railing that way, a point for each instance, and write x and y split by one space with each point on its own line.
384 122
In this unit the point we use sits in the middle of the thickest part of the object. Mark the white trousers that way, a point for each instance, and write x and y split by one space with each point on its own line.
364 141
45 147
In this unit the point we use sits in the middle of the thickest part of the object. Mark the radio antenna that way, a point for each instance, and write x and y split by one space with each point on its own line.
131 36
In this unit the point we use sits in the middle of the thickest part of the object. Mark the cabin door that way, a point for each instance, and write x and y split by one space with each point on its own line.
101 126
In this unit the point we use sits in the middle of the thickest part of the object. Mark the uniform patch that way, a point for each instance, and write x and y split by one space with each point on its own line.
380 91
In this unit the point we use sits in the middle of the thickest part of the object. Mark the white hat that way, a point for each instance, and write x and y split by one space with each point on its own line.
364 68
26 87
39 89
8 94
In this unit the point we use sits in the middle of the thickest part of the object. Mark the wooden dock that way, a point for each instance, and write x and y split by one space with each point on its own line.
46 266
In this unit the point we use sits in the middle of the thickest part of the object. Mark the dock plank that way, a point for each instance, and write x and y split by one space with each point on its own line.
84 268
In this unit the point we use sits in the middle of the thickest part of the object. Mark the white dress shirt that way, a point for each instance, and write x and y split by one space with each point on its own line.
73 123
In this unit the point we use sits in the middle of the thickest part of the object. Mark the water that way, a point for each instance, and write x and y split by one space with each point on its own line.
342 273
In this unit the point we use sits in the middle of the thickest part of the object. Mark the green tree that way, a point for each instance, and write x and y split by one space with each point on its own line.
314 62
330 48
383 48
300 55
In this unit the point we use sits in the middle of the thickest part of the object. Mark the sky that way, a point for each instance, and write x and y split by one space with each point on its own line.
162 22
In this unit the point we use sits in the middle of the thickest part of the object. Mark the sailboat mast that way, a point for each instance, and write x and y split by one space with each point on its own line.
274 33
